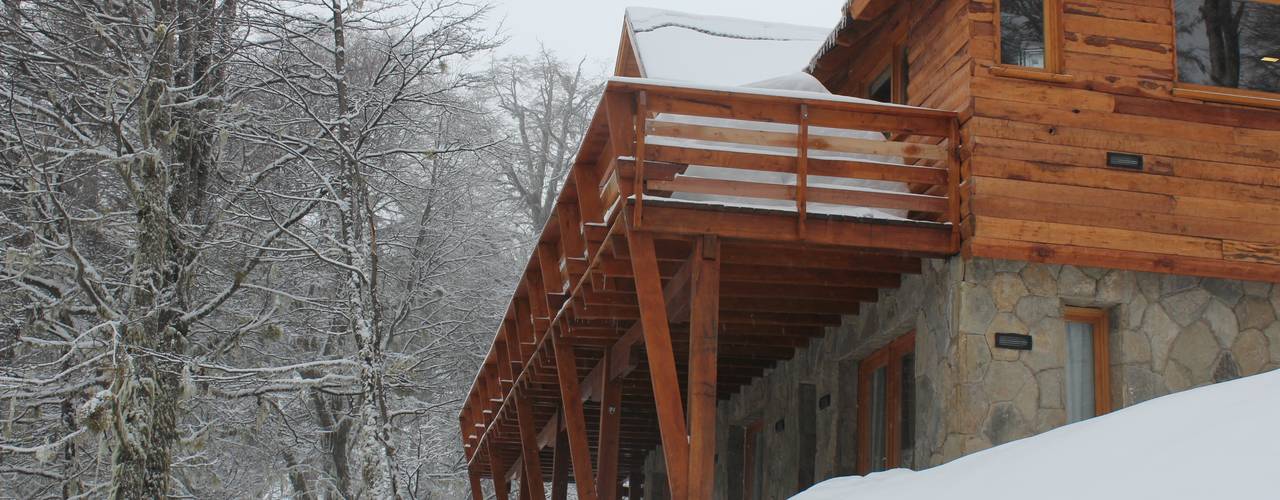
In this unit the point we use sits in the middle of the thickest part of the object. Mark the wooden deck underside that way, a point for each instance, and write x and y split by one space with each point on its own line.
775 294
655 308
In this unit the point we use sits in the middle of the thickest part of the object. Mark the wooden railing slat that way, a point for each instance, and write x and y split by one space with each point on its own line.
789 140
835 196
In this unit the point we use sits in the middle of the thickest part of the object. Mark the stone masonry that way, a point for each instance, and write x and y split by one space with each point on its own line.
1168 333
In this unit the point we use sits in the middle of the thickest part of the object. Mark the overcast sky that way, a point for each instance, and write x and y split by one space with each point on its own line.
590 28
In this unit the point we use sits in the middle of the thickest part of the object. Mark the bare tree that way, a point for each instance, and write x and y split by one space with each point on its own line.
547 105
248 245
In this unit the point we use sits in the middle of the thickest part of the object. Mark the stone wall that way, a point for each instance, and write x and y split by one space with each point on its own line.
1168 333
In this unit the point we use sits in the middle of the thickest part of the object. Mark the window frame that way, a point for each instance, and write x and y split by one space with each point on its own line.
1054 38
888 357
896 67
1213 93
1100 321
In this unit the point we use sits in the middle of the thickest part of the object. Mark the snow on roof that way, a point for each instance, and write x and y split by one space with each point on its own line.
719 50
1212 442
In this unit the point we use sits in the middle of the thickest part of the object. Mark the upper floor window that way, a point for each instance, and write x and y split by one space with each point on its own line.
1029 33
1229 43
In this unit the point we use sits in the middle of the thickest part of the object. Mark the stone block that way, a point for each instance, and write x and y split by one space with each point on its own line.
1222 321
1186 306
1006 289
1160 330
1255 312
1051 385
1251 352
1005 379
1031 309
1074 283
1005 424
1228 291
977 308
1117 287
1040 279
1196 350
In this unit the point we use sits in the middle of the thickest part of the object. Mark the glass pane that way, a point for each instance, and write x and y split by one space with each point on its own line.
1229 43
908 435
1022 32
906 76
1079 384
882 87
879 450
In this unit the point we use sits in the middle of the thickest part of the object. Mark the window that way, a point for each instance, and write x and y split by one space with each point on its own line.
1030 34
886 407
1229 43
881 89
890 84
1087 391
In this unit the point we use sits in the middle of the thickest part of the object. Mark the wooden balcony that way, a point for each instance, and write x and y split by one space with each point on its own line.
664 281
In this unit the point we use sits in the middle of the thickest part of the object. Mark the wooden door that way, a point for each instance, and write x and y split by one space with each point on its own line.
886 406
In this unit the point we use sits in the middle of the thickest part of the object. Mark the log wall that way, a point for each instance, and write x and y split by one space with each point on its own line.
1207 201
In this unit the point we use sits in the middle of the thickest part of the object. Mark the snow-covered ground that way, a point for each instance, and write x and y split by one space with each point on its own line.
1215 442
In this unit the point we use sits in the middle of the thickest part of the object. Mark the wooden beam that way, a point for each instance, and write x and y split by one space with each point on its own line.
662 364
498 471
477 492
607 444
575 422
560 467
529 448
703 329
866 10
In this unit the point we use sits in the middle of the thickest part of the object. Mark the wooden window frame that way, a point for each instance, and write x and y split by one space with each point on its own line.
888 357
1054 37
1100 322
894 63
750 435
1212 93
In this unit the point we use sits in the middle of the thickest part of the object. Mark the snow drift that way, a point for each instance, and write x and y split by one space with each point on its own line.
1220 441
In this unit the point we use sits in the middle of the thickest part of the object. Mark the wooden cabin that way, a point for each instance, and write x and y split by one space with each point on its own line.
966 223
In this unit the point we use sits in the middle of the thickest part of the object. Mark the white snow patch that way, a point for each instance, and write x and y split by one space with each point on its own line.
712 49
1218 441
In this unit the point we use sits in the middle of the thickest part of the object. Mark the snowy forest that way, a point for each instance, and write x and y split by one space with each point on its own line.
256 248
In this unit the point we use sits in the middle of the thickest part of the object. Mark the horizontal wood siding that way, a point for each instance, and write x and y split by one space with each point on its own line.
1207 201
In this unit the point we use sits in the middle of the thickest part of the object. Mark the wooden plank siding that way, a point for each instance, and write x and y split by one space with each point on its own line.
1035 185
1207 201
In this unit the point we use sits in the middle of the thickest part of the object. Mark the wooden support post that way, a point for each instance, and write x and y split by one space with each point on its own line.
477 492
802 167
574 421
953 184
703 328
638 183
529 448
662 362
498 470
607 447
560 468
